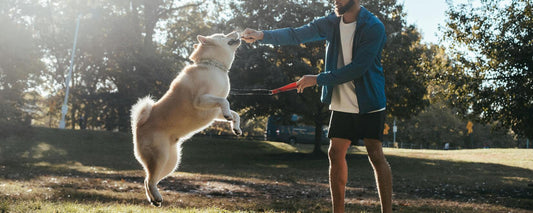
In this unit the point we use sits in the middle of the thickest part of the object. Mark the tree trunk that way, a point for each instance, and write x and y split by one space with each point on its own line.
317 150
150 20
73 114
318 139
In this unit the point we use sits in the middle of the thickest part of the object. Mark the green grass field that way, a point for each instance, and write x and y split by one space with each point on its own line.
51 170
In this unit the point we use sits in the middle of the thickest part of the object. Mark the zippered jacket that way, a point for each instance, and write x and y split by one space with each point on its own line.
365 69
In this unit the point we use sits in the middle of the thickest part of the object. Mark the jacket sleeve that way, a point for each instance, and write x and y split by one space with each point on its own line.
365 56
316 30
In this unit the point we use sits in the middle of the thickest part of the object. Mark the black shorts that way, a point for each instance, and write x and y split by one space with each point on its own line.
354 126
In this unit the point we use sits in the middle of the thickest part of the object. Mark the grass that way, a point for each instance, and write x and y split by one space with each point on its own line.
51 170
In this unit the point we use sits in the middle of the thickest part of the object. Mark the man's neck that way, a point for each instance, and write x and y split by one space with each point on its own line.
352 14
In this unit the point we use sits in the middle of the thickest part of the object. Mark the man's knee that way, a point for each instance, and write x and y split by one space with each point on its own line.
375 151
337 149
377 158
335 155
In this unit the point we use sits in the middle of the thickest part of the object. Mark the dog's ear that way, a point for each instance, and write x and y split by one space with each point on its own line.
202 39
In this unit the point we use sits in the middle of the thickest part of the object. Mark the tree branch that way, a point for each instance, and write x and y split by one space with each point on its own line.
169 10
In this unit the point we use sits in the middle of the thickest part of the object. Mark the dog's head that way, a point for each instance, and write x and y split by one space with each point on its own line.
217 47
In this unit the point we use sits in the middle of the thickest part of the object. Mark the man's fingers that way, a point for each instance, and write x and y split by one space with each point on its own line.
247 38
301 85
247 33
251 35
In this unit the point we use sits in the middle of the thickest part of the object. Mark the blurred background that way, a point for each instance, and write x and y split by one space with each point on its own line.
463 80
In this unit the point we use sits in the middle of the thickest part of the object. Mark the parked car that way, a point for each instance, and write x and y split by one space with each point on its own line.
292 134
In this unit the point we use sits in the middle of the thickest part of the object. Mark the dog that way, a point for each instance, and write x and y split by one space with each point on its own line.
195 99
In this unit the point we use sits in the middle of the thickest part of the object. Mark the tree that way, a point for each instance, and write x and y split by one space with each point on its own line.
439 124
405 75
492 46
117 60
264 66
18 61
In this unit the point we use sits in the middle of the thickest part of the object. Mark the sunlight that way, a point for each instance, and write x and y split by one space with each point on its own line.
42 150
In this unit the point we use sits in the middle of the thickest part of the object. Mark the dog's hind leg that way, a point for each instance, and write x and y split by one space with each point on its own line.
174 156
155 163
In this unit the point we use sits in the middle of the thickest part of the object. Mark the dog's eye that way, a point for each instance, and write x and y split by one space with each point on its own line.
233 41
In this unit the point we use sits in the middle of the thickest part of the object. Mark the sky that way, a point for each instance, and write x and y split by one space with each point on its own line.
427 15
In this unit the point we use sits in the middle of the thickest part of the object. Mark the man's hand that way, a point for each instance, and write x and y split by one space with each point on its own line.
306 81
250 35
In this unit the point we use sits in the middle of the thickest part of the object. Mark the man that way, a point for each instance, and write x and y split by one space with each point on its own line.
353 85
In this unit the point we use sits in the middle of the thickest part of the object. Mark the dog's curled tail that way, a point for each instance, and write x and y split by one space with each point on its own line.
140 112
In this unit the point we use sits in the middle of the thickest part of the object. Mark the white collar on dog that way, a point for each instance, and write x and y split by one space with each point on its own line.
214 64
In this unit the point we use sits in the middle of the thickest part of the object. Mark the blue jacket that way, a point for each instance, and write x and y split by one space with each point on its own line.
365 69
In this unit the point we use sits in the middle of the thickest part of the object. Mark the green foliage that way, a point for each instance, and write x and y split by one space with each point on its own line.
265 66
130 49
406 80
19 60
493 47
403 64
439 124
116 59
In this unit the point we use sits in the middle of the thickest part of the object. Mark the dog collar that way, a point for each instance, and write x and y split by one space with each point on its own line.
214 64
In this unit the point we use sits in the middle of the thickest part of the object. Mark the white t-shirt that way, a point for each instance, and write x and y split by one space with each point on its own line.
344 98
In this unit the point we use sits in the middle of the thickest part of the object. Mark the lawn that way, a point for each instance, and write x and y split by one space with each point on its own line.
49 170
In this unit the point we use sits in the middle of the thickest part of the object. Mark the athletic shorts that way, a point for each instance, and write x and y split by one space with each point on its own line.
354 126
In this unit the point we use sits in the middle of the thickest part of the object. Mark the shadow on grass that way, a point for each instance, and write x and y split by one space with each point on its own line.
90 148
287 175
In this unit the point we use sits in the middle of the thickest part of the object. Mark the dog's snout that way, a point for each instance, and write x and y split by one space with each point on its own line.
234 41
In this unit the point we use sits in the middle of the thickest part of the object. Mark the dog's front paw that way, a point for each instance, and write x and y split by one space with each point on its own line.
237 131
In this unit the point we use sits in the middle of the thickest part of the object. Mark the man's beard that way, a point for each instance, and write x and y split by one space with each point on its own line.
345 8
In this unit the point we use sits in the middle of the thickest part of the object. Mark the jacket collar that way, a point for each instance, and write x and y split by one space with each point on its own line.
362 18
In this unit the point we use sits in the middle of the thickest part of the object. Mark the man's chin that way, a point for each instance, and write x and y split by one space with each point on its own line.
337 12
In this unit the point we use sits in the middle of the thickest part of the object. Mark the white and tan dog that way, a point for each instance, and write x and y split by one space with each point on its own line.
196 98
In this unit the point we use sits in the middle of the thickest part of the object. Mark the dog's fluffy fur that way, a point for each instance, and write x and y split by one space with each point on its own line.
196 98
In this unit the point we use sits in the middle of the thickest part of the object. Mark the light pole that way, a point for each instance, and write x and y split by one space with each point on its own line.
64 108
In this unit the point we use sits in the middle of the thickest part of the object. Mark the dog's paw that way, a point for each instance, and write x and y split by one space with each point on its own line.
156 203
237 131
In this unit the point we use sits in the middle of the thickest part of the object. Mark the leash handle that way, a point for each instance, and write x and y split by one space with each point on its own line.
285 88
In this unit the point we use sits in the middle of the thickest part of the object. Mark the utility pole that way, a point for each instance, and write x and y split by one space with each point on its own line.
64 108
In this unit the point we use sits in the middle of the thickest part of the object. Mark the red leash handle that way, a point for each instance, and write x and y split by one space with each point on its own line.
285 88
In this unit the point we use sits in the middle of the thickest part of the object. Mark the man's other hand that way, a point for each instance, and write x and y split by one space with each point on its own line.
306 81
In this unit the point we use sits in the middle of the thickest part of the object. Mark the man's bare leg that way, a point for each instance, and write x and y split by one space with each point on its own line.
382 172
338 172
